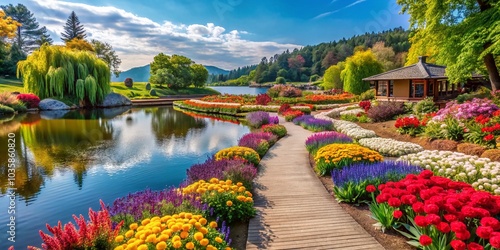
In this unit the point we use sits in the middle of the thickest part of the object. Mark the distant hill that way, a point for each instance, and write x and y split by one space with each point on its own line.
141 74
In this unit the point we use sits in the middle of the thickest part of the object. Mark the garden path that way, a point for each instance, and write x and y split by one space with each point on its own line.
294 210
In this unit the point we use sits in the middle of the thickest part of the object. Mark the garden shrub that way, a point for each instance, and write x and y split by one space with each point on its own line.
8 99
212 168
470 149
31 100
6 109
19 107
152 92
263 99
480 93
237 152
289 91
129 83
409 125
244 173
446 145
425 106
257 119
350 182
292 114
337 156
280 80
367 95
277 129
318 140
228 201
257 137
274 120
492 154
97 233
385 111
314 78
259 145
148 86
311 123
176 231
365 105
283 108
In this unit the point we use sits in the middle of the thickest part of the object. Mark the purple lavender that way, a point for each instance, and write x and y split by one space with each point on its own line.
211 169
274 120
244 173
150 202
378 172
258 136
318 140
311 123
257 119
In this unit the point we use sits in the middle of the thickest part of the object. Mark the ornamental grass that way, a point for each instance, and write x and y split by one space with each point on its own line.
337 156
230 202
350 182
318 140
178 231
237 152
311 123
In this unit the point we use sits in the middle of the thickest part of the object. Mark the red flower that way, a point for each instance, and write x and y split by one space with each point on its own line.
495 241
458 226
426 174
490 222
489 137
371 188
425 240
465 235
418 207
408 199
397 214
443 227
431 209
421 221
450 217
484 232
458 245
433 219
474 246
394 202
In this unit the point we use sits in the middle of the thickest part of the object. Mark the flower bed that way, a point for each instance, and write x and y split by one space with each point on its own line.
272 108
329 99
354 111
258 141
178 231
318 140
257 119
292 114
482 173
237 152
438 213
209 107
337 156
390 147
236 170
350 182
334 113
313 124
276 129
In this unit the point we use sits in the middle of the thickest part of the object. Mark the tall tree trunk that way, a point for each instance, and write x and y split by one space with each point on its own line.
489 61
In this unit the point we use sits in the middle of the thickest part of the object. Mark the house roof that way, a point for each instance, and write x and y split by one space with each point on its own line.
420 70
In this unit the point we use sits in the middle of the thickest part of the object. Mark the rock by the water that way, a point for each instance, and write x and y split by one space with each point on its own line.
115 100
51 104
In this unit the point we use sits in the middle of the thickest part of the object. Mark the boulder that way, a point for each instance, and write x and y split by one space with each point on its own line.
51 104
115 100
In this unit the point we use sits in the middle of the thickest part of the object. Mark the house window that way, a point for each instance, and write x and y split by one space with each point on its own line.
443 87
430 89
391 88
417 89
382 88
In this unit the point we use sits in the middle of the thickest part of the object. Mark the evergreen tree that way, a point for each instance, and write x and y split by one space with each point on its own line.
44 37
29 32
73 29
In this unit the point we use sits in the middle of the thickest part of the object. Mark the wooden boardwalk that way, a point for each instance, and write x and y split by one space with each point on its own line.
295 211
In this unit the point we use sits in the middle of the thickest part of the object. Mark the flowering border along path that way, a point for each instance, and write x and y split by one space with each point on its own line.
294 209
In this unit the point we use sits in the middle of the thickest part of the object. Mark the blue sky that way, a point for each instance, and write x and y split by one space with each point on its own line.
223 33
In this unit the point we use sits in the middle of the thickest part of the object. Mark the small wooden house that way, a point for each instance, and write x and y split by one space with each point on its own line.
416 82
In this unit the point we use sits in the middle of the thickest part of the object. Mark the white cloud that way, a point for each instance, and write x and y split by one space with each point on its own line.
138 39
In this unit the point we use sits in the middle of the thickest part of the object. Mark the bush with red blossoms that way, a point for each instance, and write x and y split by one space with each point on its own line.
438 212
263 99
31 100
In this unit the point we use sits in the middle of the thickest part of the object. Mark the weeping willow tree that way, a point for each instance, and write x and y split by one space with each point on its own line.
55 71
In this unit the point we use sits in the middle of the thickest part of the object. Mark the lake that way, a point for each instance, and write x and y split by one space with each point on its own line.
66 162
237 90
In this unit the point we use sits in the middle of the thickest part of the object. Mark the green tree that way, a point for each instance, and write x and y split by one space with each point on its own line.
465 33
73 29
385 55
331 79
179 71
29 32
44 38
56 71
200 75
105 52
362 64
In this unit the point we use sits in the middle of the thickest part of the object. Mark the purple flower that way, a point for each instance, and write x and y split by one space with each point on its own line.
467 110
313 124
375 172
210 169
274 120
318 140
257 119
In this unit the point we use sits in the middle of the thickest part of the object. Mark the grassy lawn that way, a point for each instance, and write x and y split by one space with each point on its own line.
139 89
11 85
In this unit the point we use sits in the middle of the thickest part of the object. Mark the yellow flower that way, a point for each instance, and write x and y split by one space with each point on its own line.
119 248
198 236
204 242
143 247
218 239
184 234
133 226
213 224
129 233
249 199
203 221
189 245
177 244
161 245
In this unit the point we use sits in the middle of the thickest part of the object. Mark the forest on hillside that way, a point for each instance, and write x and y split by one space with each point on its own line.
310 62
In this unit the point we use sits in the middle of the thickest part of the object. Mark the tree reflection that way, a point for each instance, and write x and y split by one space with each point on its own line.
167 122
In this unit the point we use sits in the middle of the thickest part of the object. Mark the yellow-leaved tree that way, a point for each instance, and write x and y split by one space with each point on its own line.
8 26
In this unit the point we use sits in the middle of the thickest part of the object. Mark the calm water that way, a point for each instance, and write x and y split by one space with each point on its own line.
67 162
240 90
